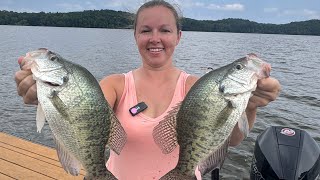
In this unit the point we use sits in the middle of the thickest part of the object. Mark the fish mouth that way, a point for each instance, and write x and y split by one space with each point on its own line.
239 90
51 84
261 68
235 95
55 83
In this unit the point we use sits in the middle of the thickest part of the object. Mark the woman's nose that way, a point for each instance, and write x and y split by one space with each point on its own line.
155 37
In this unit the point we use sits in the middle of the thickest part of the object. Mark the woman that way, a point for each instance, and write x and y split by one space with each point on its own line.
159 84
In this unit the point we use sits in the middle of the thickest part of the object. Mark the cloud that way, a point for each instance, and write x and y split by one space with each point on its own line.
270 10
90 5
199 4
70 7
190 4
28 10
126 5
293 14
114 4
310 14
227 7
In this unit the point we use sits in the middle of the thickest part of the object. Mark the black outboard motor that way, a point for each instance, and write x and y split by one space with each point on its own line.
285 153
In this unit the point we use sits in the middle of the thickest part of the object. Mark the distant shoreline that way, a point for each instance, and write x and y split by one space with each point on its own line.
110 19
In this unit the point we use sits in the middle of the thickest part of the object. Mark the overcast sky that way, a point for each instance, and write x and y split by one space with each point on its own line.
262 11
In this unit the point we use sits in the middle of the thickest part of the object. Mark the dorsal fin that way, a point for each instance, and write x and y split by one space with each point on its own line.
118 136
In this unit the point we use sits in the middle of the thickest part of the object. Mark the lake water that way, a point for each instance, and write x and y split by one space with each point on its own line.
294 60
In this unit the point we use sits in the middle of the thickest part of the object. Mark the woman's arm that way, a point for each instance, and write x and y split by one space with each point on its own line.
112 88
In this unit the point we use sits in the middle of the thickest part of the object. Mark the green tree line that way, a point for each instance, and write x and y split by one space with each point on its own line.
310 27
87 19
120 20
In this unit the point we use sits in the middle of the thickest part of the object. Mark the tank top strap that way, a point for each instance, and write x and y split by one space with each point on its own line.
129 96
180 91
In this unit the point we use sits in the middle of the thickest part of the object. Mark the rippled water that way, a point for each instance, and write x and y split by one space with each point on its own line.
294 60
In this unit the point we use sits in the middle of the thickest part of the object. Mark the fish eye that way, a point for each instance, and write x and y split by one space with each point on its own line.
53 58
239 66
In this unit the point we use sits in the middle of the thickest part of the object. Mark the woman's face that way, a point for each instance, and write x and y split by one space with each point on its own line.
156 36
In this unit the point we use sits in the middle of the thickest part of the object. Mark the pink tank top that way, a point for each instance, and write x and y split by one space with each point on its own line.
141 158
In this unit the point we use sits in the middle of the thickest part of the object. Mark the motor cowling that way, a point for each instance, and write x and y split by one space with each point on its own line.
285 153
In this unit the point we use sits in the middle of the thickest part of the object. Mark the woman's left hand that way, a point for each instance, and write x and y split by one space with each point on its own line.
267 90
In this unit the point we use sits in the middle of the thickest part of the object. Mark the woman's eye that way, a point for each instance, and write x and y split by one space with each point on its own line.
145 31
165 30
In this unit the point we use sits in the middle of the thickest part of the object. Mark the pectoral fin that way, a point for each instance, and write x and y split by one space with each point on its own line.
243 124
59 104
40 118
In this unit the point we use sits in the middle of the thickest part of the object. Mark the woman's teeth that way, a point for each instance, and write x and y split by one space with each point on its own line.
156 50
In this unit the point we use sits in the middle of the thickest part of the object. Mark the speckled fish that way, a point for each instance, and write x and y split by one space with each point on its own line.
203 122
82 122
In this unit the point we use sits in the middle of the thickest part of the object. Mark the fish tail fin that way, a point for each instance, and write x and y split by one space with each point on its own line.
176 175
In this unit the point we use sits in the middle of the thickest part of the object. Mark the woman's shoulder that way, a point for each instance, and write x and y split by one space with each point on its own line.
112 88
112 80
190 82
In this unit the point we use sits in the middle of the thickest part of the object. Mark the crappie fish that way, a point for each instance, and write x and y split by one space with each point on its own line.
82 122
203 122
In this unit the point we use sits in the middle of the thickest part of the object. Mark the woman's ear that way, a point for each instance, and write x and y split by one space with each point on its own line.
179 37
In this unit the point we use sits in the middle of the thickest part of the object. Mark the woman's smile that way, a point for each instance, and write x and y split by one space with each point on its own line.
155 50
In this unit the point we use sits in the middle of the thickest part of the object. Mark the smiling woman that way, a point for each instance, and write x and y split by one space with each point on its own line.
160 85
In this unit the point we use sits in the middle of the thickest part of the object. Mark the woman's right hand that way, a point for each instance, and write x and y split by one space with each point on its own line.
26 86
